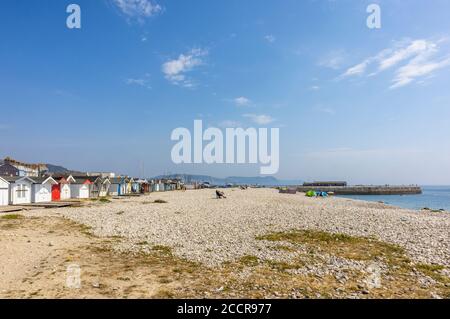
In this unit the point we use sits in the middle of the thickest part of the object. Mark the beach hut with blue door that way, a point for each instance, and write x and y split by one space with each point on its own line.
118 186
115 187
123 186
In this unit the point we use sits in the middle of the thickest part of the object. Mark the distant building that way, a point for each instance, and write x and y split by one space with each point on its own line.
26 169
102 174
9 170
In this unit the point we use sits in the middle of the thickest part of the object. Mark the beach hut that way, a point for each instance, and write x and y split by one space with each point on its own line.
141 186
123 186
129 189
136 186
19 189
158 186
145 186
62 191
172 185
96 186
118 186
100 186
42 189
81 187
104 185
114 189
4 192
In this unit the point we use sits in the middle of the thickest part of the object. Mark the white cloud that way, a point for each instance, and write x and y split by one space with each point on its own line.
270 38
357 69
242 101
175 70
416 69
414 59
139 82
138 8
314 88
414 48
361 68
333 60
260 119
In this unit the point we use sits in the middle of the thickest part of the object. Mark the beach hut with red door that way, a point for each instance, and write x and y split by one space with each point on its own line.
56 192
62 191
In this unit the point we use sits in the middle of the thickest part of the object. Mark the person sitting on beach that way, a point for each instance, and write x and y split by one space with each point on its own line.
220 194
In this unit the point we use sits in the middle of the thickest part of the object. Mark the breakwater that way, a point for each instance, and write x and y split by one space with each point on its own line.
364 190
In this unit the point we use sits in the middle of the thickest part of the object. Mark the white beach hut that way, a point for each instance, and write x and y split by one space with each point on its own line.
20 189
104 189
42 189
81 188
4 192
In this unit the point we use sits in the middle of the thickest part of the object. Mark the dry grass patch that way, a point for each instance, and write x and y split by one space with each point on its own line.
399 281
341 245
12 217
162 249
249 260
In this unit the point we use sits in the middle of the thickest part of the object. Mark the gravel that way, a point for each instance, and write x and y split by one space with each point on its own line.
201 228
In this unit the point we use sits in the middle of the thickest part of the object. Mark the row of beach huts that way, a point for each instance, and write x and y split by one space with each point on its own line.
22 184
15 190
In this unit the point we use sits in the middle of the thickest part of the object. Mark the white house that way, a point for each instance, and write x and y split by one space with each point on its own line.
4 192
42 189
81 187
20 189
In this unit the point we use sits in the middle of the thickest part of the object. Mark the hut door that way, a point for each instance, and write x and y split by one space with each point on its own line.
56 193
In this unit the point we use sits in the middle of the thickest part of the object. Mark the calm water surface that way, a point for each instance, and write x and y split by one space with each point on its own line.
434 197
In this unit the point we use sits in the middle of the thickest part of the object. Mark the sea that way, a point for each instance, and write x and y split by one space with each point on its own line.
433 197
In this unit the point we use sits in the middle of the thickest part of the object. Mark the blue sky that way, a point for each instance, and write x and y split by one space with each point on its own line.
352 103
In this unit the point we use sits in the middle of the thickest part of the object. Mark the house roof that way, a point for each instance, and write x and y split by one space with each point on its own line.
8 169
64 178
84 179
117 180
14 179
44 180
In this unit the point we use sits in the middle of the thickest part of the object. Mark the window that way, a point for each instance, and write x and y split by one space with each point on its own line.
21 191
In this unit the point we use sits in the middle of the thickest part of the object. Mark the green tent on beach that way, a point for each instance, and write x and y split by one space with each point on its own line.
311 194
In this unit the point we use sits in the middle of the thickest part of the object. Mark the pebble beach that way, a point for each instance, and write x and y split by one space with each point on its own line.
201 228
